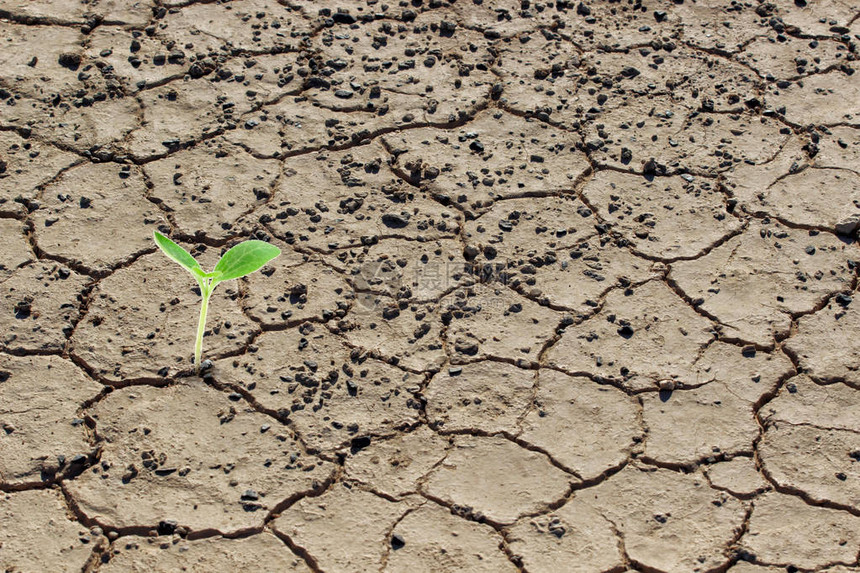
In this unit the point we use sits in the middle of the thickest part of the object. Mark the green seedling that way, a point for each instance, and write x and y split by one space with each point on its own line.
239 261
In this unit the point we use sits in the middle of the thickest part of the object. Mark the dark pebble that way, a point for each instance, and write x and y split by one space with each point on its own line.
70 61
466 347
626 155
470 252
167 527
358 444
343 18
625 331
395 220
843 299
390 312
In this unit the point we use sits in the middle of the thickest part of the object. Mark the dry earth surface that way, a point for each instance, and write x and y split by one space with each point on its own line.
566 286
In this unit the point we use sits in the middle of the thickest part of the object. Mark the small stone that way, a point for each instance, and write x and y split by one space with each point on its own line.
626 155
70 61
447 28
395 220
167 527
848 226
343 18
629 72
466 347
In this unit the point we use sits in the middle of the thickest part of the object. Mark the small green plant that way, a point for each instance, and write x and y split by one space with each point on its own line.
243 259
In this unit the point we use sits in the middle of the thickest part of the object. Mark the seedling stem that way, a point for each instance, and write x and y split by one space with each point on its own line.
206 292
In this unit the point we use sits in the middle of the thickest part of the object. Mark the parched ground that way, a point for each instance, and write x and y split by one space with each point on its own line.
565 286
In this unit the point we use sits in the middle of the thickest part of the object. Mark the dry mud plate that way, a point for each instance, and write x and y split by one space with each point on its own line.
565 286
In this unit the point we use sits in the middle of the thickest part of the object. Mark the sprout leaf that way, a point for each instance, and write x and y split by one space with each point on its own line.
244 259
177 253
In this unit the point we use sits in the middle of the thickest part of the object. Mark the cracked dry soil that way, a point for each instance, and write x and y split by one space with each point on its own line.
565 287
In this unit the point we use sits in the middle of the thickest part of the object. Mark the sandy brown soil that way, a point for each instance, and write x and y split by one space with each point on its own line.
565 287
